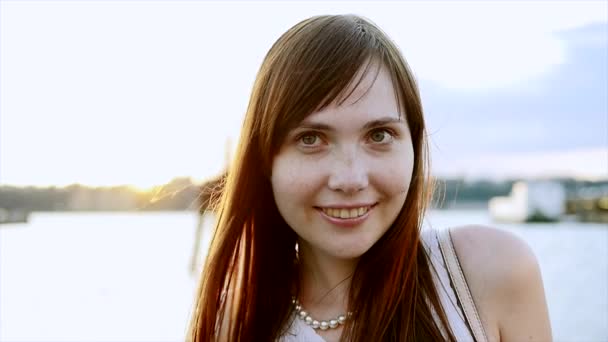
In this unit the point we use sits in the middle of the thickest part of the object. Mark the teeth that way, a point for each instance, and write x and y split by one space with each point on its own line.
345 213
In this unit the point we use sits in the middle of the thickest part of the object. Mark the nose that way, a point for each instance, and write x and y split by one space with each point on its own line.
349 173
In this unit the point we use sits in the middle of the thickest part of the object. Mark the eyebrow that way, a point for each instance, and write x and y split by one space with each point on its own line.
372 124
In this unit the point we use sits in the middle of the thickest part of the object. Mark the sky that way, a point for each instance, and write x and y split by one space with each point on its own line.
140 92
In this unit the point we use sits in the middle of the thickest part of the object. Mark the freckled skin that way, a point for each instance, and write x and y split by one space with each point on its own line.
345 165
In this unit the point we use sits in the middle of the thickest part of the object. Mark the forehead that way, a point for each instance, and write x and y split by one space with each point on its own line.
373 97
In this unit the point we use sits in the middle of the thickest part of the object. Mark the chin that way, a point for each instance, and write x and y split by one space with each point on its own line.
352 253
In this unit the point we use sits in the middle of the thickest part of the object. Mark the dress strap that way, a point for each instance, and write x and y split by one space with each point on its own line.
460 284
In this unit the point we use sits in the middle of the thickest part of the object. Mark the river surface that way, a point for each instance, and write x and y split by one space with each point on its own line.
125 276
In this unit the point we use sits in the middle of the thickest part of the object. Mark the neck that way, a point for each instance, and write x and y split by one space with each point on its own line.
325 281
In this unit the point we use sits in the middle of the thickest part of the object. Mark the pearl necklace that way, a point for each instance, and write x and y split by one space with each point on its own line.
315 324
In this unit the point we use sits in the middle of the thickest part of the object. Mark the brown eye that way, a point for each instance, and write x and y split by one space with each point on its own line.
309 139
378 136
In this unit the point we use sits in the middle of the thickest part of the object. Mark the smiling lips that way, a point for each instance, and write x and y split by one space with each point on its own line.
346 217
345 213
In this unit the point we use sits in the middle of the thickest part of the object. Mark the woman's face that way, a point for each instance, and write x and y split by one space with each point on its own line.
342 175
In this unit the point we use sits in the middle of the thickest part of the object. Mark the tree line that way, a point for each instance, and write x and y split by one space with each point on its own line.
184 194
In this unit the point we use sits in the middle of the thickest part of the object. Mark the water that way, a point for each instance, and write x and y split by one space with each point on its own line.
125 276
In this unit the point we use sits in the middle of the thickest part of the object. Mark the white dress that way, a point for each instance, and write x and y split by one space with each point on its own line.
300 332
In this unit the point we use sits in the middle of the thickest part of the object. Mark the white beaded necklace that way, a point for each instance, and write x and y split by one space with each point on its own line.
315 324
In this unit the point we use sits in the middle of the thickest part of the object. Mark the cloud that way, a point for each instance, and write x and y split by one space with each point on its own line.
564 109
156 92
591 164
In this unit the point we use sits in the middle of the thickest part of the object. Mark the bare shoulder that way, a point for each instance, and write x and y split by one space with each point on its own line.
493 252
505 280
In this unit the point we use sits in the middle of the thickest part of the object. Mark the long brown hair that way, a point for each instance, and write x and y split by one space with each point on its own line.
251 270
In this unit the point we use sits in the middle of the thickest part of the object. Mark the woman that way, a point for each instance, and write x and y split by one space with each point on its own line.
318 235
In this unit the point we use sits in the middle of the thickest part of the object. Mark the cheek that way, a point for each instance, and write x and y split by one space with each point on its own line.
395 177
291 180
